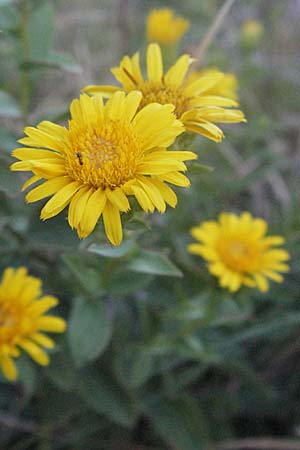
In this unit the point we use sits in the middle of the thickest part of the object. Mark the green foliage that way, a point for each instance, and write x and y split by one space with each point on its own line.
156 355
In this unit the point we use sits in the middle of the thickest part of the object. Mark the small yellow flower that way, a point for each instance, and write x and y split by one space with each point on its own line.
251 32
194 107
107 153
227 86
164 27
239 252
23 320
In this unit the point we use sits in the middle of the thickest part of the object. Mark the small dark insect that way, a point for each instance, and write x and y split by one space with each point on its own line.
79 156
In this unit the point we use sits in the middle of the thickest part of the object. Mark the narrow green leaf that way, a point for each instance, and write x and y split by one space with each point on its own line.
53 60
89 330
41 30
200 168
154 263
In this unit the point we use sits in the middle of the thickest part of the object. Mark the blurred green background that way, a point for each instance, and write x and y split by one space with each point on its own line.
157 356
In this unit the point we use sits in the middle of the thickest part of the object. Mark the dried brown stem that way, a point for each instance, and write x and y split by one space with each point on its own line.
219 19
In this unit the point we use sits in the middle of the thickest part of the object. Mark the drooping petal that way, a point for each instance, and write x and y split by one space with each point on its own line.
112 223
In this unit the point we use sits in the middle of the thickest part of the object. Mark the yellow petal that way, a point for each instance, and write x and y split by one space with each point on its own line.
154 63
178 71
43 340
29 182
176 178
203 84
112 223
169 196
77 205
118 198
114 108
47 188
153 193
92 212
142 198
9 368
131 104
35 352
105 90
51 324
59 201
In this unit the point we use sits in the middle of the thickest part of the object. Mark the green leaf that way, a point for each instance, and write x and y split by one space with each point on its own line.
200 168
123 282
85 271
53 60
109 251
9 106
154 263
27 375
41 30
61 371
104 396
181 423
133 366
89 330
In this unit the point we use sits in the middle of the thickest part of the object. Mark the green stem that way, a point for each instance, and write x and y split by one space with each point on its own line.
25 87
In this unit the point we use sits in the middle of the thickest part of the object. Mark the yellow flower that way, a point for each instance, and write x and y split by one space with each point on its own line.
251 32
107 153
227 86
164 27
193 107
23 320
239 252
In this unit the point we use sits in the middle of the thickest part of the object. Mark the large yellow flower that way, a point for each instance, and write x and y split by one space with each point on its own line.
23 320
195 107
164 27
239 252
108 152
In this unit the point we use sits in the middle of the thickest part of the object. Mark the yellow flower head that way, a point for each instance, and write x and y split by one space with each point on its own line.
251 32
164 27
239 252
194 107
107 153
23 320
227 86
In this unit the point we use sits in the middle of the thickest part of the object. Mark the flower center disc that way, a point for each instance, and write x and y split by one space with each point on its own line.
238 255
103 155
160 93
